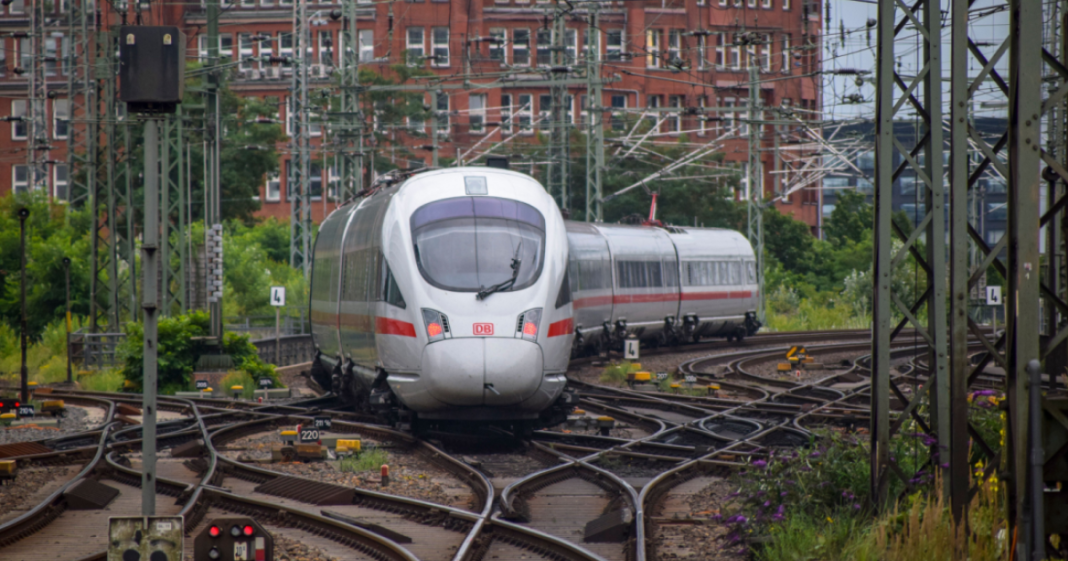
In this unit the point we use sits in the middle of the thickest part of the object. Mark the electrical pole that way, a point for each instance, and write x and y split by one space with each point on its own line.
297 182
754 187
351 126
558 126
172 299
595 114
149 291
37 104
212 187
434 127
81 106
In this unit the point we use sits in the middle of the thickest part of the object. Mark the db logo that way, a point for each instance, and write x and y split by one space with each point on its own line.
483 328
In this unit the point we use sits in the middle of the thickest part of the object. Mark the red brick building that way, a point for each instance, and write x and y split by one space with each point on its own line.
666 53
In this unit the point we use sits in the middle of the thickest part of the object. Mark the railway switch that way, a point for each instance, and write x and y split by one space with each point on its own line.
233 539
145 538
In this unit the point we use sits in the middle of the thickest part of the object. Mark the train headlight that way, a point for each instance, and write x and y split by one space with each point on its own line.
527 325
437 325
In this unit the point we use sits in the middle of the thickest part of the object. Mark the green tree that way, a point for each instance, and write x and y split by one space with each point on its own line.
851 220
53 232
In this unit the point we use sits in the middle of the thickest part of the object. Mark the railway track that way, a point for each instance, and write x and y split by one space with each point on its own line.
561 495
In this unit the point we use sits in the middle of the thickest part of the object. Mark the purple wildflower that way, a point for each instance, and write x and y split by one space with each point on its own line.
760 464
856 506
814 455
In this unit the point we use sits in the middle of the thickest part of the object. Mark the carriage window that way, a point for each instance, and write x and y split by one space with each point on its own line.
468 243
590 275
750 268
391 293
736 273
671 273
643 274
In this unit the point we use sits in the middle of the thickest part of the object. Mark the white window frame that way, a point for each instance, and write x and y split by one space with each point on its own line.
443 118
674 46
501 49
752 3
56 182
16 185
524 111
766 4
506 113
415 124
60 115
267 3
785 54
523 47
420 58
476 113
785 5
723 3
734 56
275 179
17 7
25 54
702 52
614 52
571 45
721 50
765 52
326 51
702 120
366 39
652 48
19 129
245 49
543 47
674 122
248 3
437 48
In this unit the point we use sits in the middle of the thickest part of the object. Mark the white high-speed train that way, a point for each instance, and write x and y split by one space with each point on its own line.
450 295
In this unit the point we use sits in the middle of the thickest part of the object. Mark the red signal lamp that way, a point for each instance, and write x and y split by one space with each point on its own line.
248 530
214 531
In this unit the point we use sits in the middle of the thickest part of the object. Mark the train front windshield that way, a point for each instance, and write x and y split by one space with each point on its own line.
467 244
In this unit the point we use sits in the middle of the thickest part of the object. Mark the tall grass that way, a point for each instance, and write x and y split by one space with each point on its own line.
369 460
109 380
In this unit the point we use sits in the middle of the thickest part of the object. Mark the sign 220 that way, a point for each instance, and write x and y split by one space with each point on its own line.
309 435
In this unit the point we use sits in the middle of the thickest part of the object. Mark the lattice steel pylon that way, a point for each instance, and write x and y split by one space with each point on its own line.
297 182
559 129
1036 86
595 123
82 124
173 220
754 200
348 132
892 309
38 138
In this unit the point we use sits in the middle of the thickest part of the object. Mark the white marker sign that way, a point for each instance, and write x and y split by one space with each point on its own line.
278 296
993 296
630 350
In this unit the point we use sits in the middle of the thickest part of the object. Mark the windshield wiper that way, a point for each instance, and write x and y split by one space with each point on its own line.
484 292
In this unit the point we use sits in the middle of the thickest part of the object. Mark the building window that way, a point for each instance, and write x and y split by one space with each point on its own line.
721 49
571 45
440 46
723 3
498 47
416 46
652 48
734 54
267 3
785 54
674 122
285 44
702 55
326 48
544 44
766 4
60 118
273 189
524 112
521 47
614 44
506 112
25 55
674 51
60 182
17 7
654 102
244 46
20 178
443 112
785 4
367 45
545 105
765 52
18 127
702 117
416 123
476 113
618 102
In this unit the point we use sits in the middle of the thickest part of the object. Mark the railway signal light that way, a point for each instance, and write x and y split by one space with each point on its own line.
214 531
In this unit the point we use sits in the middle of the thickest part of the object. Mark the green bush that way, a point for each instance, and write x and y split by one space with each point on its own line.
109 380
238 378
615 373
178 353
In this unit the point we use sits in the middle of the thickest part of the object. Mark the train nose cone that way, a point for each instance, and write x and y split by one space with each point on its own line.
482 371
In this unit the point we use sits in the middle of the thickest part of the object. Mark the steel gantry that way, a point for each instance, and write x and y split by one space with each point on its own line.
559 127
1032 158
298 179
595 123
894 309
81 108
348 131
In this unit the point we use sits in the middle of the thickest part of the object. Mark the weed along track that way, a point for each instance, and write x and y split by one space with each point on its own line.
640 470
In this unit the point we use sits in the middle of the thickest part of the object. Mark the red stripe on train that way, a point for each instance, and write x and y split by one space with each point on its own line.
562 327
594 301
387 326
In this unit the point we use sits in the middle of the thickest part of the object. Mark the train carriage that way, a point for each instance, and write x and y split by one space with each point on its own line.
457 294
